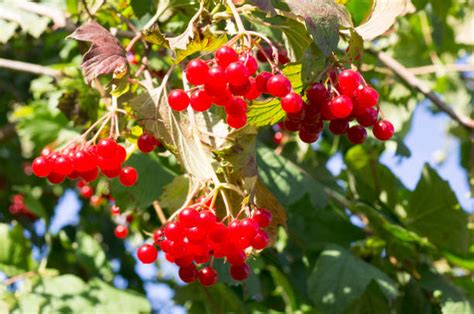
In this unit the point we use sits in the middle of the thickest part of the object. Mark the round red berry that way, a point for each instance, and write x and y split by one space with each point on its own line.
188 217
115 210
356 134
366 116
106 148
253 91
383 130
121 232
200 100
348 81
188 274
207 276
308 137
317 94
197 72
236 107
236 73
147 254
216 81
236 121
263 217
341 106
338 126
146 143
261 80
278 138
178 99
41 166
62 165
250 63
278 85
225 55
292 103
366 97
240 272
173 231
240 90
260 241
128 176
86 191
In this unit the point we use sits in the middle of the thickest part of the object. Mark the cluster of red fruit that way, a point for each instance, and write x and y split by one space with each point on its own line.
147 143
227 81
74 162
352 99
197 235
122 220
18 207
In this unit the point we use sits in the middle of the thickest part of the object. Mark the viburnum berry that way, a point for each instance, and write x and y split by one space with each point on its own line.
200 100
236 73
308 137
188 217
62 165
236 121
349 81
207 276
261 80
292 125
128 176
206 219
278 138
383 130
225 55
340 106
236 107
111 173
197 72
121 231
240 90
217 232
106 148
86 191
292 103
278 85
216 81
173 231
260 240
263 217
240 272
248 227
147 254
356 134
253 91
41 166
366 97
317 93
338 126
146 143
366 116
188 274
235 256
178 100
115 210
55 178
250 63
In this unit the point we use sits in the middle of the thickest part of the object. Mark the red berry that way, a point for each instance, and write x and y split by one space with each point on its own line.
178 99
313 127
188 217
253 92
188 274
340 106
200 100
383 130
223 99
308 137
83 161
206 219
111 173
87 191
216 82
197 71
326 113
217 233
366 97
41 166
278 85
367 116
56 178
147 254
236 73
263 217
236 121
235 256
261 54
225 56
106 148
292 125
278 138
115 210
250 63
146 142
128 176
356 134
237 107
207 276
339 126
195 234
248 227
240 90
121 231
184 261
240 272
317 94
62 165
261 80
120 155
348 81
173 231
292 103
260 241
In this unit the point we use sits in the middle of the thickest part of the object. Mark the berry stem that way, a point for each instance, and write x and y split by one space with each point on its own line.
159 212
238 20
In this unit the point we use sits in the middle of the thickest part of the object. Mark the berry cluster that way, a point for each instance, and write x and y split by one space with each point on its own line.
228 81
18 207
74 162
147 143
265 55
197 235
123 220
351 99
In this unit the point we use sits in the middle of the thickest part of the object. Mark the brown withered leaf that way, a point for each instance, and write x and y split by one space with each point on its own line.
105 55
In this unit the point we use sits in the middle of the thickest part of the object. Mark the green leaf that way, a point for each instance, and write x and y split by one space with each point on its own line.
371 301
434 212
355 49
269 112
92 257
360 10
155 36
34 205
15 251
285 288
174 193
288 182
204 42
339 278
141 7
153 176
312 65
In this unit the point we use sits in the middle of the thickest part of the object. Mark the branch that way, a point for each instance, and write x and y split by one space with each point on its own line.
410 79
433 68
28 67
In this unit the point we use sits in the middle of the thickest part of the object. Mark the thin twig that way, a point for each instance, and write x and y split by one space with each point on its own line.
29 68
433 68
410 79
159 212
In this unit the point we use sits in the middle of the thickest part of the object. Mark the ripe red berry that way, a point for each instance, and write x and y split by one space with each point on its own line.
146 143
308 137
188 217
188 274
200 100
178 99
121 231
340 106
292 125
317 94
147 254
240 272
250 63
348 81
278 85
261 80
240 90
236 121
278 138
41 166
56 178
235 256
366 116
173 231
223 99
216 82
195 234
206 219
237 107
207 276
260 241
292 103
120 155
128 176
248 227
62 165
197 72
184 261
312 127
111 173
356 134
90 175
383 130
263 217
366 97
106 148
225 56
83 161
115 210
338 126
86 191
217 233
253 91
236 73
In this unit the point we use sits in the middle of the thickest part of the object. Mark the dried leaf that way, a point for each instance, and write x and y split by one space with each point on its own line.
105 55
355 50
155 36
